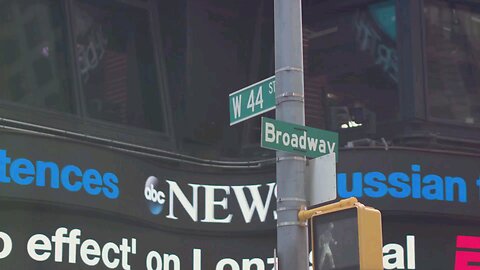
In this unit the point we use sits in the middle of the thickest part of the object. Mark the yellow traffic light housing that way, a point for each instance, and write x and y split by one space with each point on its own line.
345 235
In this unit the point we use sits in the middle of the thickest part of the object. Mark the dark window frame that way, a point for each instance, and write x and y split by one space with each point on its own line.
466 128
331 7
412 83
414 115
78 121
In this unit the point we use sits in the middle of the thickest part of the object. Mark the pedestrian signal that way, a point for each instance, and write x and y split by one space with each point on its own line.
345 236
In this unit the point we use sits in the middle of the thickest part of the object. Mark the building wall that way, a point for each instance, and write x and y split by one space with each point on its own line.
128 144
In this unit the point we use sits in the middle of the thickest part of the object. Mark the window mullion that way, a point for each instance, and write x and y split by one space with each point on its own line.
411 59
77 86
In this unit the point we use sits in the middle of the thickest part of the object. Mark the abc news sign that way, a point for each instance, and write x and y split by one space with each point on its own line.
56 238
59 238
89 177
195 203
121 184
215 197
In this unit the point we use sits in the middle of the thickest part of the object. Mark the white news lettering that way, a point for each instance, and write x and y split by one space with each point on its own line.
7 245
162 262
257 203
225 263
214 202
197 259
394 257
91 252
211 203
190 208
40 248
229 263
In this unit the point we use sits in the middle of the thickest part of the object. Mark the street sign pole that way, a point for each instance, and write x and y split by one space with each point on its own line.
292 242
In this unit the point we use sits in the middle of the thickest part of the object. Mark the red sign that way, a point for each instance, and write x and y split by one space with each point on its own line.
468 259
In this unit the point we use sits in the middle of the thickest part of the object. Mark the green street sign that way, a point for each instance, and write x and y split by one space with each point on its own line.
310 142
252 100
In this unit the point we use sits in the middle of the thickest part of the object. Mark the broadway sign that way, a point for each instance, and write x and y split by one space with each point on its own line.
307 141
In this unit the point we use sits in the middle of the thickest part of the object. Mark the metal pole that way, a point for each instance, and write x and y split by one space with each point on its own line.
292 243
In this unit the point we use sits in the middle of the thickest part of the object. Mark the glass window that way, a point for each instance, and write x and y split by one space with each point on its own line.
33 55
213 48
453 61
351 68
116 62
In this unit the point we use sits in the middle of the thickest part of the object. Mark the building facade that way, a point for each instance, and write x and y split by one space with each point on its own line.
116 150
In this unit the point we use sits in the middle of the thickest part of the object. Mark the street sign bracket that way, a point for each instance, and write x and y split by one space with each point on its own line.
291 199
293 223
321 180
289 68
291 158
289 96
281 209
341 205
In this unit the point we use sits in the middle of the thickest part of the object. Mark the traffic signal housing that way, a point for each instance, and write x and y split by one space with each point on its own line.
346 235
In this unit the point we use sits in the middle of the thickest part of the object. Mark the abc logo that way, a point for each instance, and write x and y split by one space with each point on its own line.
154 196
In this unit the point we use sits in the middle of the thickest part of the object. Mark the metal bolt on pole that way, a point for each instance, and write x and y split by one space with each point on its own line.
292 243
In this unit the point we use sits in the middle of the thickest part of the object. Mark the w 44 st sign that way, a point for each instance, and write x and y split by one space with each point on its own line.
252 100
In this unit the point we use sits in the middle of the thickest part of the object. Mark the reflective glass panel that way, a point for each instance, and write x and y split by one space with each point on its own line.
351 68
453 61
33 55
117 66
213 48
